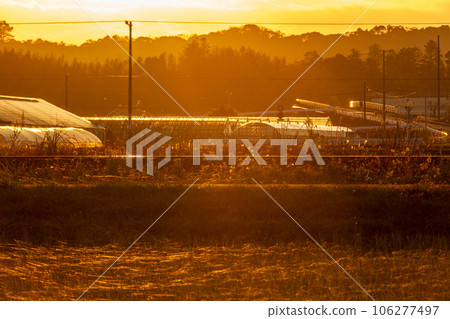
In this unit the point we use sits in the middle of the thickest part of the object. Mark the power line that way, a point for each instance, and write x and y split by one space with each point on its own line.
8 76
391 96
232 23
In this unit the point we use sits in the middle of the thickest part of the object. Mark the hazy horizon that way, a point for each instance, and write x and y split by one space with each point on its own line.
220 29
245 11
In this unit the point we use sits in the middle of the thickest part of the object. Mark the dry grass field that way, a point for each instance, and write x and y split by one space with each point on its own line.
224 242
167 271
63 221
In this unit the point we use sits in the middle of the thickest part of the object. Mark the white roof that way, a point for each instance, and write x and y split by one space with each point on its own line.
296 126
37 112
34 136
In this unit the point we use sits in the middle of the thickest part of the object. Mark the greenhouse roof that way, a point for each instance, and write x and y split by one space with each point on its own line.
34 136
37 112
324 120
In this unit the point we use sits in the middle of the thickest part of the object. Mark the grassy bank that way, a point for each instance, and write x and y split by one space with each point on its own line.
224 242
362 217
346 163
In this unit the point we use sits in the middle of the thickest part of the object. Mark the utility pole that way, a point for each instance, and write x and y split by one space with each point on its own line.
438 78
365 101
229 94
426 113
130 76
384 91
66 103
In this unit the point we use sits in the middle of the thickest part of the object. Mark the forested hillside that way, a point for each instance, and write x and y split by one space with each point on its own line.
242 68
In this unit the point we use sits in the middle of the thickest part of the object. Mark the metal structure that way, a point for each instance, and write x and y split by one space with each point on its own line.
130 75
292 131
376 107
365 102
318 120
300 103
233 127
384 89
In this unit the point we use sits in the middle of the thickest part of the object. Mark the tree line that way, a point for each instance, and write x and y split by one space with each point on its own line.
205 77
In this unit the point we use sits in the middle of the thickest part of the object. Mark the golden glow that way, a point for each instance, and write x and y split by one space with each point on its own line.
241 119
206 10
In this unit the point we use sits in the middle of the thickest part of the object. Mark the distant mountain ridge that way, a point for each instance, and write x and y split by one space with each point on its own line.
263 40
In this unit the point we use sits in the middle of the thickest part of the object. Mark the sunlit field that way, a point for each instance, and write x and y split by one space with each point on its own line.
167 271
380 210
229 150
224 242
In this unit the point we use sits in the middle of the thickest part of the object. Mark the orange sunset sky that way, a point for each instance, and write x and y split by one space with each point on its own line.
248 11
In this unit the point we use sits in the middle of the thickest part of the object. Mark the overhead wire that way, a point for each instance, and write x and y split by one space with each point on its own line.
229 23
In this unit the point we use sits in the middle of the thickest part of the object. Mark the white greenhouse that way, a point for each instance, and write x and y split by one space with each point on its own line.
38 113
67 136
30 121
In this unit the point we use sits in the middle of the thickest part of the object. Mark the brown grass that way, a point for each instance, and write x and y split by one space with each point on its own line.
247 272
224 243
432 166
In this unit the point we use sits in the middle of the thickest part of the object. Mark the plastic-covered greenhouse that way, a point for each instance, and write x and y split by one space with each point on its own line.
30 121
291 130
38 113
230 127
34 136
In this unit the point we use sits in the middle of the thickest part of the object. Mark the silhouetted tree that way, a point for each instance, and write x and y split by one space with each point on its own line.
447 63
5 31
429 59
